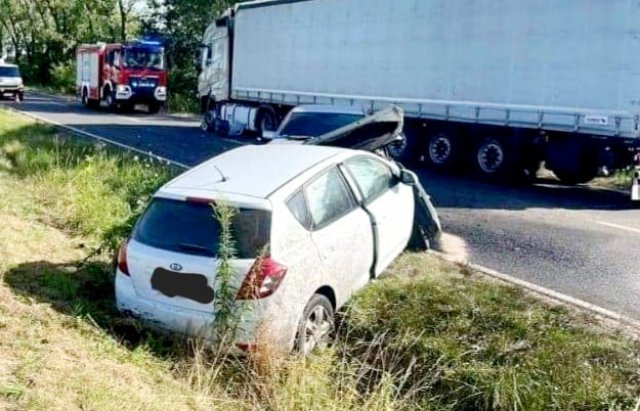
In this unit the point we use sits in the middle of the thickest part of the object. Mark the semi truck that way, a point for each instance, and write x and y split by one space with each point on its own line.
499 86
121 75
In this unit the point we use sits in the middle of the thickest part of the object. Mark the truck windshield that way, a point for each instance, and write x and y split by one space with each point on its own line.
143 59
9 71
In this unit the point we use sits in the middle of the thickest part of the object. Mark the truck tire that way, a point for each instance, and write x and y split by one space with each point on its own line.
266 120
110 99
85 98
573 177
572 161
442 150
491 157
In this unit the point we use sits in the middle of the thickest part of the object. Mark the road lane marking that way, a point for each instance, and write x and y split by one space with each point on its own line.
619 227
97 137
595 309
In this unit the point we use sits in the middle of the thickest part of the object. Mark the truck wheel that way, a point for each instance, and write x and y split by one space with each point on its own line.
266 119
491 157
110 99
441 151
209 121
85 98
573 177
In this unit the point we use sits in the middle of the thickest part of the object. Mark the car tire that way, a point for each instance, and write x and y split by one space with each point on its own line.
317 326
18 97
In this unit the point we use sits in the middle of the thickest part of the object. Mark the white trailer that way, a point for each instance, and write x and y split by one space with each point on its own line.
498 85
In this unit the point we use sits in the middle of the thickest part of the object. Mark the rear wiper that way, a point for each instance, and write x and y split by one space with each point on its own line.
193 247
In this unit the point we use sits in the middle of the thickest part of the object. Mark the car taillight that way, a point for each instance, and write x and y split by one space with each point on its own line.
122 259
263 279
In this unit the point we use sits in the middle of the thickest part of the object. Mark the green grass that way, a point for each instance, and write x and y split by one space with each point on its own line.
429 335
85 188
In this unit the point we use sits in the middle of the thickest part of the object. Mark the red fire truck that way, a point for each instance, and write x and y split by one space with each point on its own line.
121 75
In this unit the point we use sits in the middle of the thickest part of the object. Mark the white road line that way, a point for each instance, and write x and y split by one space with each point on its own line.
97 137
546 292
619 227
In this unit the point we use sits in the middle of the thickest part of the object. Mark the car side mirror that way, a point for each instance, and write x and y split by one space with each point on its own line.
268 135
407 177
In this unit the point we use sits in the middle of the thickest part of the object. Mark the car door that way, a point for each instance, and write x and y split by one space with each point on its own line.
341 231
389 202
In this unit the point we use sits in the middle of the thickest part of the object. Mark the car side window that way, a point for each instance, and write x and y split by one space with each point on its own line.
328 198
372 176
298 208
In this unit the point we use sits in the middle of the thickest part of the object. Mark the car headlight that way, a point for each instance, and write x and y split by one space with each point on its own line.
161 90
121 87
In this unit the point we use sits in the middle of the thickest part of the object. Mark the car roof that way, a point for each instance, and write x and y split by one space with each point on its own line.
329 108
253 171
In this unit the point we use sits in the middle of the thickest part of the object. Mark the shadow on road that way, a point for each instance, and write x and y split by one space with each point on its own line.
467 192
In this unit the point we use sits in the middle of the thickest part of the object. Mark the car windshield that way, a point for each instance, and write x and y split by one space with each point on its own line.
191 228
9 71
143 59
316 124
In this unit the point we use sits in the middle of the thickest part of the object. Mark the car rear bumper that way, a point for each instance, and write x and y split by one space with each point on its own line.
179 321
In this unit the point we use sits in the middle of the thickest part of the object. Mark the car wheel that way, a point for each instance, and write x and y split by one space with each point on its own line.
18 97
316 329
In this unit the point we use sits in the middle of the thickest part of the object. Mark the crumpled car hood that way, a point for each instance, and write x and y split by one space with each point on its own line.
370 133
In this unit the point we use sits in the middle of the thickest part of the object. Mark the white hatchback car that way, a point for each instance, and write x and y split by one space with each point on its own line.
332 219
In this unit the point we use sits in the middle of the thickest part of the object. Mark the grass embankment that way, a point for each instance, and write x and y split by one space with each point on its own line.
428 336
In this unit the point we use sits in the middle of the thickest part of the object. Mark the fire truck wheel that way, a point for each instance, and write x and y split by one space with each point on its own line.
110 100
154 108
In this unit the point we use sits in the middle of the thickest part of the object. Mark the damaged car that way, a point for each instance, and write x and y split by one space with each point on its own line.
312 226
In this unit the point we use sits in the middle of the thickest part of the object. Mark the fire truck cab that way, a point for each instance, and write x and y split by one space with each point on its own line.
121 75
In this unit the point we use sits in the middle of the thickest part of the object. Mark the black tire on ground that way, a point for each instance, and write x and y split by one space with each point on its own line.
573 177
442 150
266 120
85 98
110 99
154 108
493 157
18 97
209 121
317 326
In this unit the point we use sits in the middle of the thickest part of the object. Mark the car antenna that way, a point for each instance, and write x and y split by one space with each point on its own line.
224 178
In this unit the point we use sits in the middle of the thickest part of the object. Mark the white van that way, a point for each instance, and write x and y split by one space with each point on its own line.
11 82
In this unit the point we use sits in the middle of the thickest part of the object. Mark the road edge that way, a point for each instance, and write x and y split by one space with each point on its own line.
596 310
83 133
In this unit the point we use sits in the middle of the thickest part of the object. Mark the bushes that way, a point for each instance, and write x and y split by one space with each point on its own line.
63 77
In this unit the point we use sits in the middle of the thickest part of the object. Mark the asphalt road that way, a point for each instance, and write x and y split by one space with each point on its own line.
578 241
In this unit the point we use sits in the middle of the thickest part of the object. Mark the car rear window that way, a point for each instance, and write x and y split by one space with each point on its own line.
191 228
6 71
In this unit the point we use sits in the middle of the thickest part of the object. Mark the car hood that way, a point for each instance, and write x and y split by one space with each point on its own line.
370 133
10 81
